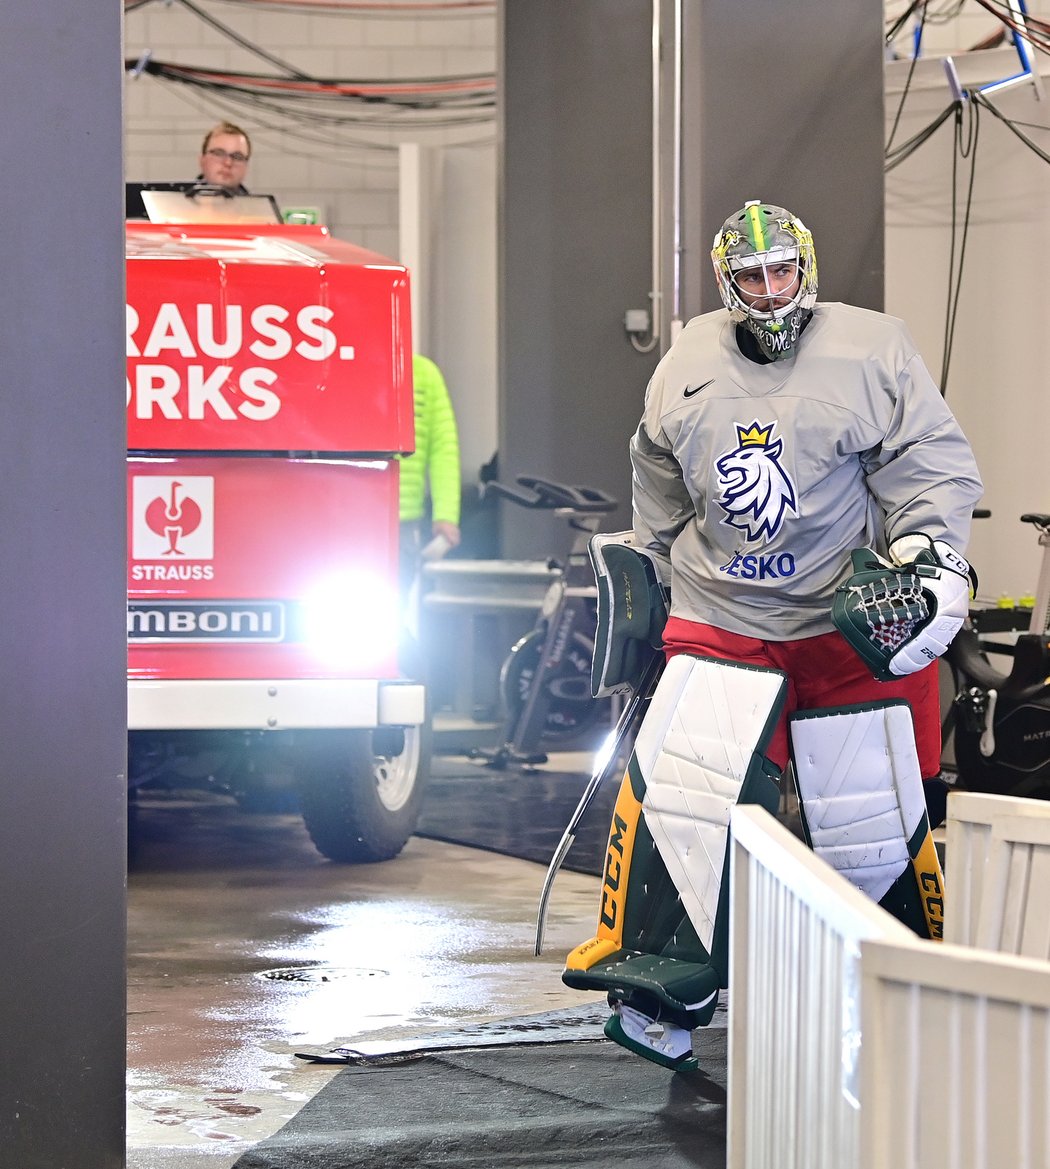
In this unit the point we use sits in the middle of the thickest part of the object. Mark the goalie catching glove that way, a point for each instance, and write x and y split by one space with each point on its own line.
902 616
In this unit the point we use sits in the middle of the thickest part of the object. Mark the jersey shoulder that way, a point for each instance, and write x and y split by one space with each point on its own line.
854 330
700 331
694 357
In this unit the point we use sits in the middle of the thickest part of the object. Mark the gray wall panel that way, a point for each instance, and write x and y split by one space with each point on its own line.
781 101
574 231
62 587
784 102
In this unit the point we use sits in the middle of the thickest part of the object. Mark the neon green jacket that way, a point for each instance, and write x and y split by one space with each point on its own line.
436 455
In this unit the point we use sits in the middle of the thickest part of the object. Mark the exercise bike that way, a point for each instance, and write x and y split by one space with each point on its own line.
1000 720
545 681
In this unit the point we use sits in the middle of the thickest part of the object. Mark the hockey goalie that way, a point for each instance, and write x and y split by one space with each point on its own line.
804 494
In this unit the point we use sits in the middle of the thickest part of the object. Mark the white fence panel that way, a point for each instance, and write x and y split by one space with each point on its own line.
794 1001
855 1045
1014 912
955 1067
968 835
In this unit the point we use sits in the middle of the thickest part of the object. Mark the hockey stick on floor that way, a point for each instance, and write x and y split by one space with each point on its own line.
607 760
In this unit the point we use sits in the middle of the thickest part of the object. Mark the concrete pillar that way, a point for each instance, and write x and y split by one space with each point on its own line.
62 587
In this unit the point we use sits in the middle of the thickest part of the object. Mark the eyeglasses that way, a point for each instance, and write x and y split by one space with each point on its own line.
225 155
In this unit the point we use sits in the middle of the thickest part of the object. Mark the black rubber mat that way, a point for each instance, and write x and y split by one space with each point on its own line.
565 1025
517 812
527 1106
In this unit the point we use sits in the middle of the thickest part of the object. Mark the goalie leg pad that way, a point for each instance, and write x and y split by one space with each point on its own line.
863 806
645 950
661 947
700 751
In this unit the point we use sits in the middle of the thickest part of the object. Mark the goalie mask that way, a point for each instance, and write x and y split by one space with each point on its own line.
767 274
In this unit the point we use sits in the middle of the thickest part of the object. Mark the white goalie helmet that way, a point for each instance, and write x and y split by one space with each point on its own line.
766 268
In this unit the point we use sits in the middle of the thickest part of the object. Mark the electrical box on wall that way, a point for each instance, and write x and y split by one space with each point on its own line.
304 215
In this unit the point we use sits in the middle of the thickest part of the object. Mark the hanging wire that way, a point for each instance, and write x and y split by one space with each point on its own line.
1012 122
413 92
964 149
441 9
237 39
906 149
1034 30
381 104
911 73
390 103
901 20
1012 126
295 137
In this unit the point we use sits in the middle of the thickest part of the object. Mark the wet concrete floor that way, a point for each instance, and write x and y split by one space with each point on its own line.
246 946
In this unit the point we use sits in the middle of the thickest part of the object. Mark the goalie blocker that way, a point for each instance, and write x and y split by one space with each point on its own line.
632 612
660 951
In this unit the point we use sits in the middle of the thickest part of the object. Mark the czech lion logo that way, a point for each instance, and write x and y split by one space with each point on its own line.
756 492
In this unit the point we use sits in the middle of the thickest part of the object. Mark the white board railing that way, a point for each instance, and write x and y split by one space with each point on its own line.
794 1001
956 1059
1014 912
854 1044
971 819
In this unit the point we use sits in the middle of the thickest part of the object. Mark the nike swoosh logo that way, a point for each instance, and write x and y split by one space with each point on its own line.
690 393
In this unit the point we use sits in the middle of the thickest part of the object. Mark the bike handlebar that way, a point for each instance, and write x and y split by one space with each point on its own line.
966 655
534 492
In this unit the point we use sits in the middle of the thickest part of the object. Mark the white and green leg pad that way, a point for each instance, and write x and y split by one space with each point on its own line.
661 948
863 808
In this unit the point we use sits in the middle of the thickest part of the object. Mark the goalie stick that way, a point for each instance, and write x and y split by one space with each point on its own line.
607 760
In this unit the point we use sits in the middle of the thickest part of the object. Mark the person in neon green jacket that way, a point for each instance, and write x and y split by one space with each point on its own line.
434 465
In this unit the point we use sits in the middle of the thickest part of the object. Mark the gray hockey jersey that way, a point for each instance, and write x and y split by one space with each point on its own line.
757 481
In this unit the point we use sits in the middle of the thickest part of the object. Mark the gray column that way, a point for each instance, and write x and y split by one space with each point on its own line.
782 102
575 84
62 587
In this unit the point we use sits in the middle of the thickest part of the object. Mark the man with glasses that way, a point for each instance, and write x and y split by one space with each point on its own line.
224 158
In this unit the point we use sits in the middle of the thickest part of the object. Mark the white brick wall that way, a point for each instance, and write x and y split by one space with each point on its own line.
353 173
165 122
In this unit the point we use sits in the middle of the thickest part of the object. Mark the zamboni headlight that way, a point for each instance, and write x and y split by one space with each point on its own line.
350 618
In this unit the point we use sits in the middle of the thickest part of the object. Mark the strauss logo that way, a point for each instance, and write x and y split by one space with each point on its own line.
173 518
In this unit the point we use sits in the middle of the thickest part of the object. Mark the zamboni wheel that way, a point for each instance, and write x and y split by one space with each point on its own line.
360 791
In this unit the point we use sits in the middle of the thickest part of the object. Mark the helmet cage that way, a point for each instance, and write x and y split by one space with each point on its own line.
779 302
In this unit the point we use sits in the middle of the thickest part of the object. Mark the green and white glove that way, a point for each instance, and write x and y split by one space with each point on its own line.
947 582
